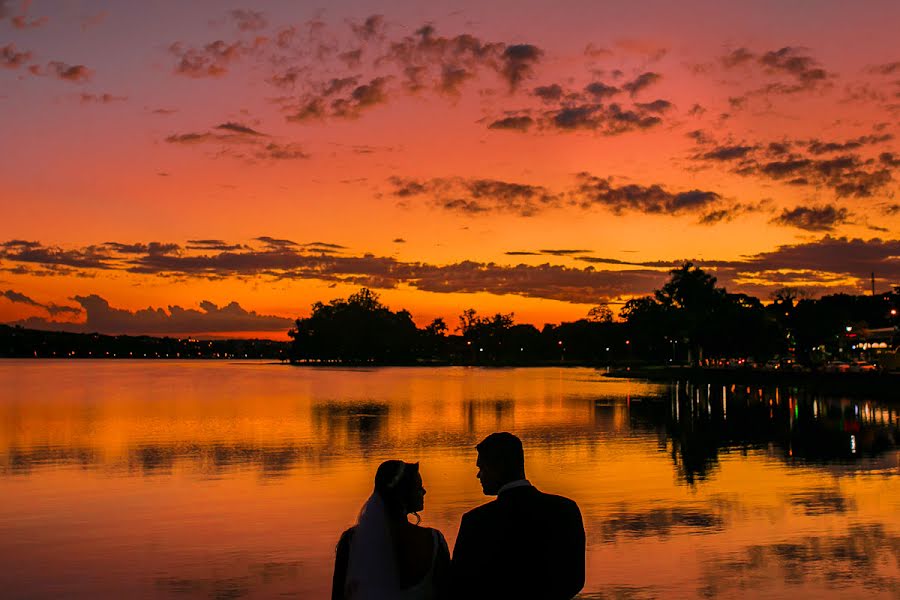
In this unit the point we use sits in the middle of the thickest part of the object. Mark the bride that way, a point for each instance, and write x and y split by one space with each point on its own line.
384 556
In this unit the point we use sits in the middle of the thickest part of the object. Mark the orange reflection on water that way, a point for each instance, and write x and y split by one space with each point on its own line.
150 479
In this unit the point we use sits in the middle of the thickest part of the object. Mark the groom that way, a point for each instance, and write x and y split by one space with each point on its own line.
524 544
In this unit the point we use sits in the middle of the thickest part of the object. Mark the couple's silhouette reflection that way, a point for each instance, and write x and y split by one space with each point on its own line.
523 544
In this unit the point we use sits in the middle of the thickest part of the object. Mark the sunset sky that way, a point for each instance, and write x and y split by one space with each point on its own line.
214 168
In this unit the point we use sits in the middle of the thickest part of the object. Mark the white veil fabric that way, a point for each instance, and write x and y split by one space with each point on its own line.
372 569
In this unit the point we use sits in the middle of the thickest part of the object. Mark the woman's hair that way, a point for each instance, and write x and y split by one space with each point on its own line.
395 482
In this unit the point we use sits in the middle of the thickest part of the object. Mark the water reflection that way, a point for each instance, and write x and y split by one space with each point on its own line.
704 421
842 561
188 481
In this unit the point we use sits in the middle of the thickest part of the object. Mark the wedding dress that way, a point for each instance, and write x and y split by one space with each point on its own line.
371 570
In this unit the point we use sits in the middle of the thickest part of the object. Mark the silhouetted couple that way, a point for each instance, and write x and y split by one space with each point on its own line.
524 544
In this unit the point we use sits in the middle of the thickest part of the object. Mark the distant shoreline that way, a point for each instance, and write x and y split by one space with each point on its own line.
883 385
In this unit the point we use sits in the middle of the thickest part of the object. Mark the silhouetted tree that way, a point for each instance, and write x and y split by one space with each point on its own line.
357 330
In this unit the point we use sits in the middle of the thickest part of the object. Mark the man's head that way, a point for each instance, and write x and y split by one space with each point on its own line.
500 461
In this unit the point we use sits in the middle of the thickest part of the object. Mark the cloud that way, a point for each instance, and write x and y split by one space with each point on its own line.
832 263
274 151
731 212
249 20
241 141
348 106
373 28
105 98
424 62
806 163
51 308
66 72
817 146
515 123
801 71
489 196
10 58
90 257
641 82
518 61
607 119
886 68
102 318
237 128
653 199
475 196
549 93
213 59
212 244
813 218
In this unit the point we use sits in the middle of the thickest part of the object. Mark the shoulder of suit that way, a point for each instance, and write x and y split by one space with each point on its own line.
561 501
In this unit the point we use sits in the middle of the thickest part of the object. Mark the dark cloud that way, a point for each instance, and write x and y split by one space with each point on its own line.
347 106
399 241
213 59
412 64
101 98
800 70
609 119
10 58
516 123
725 153
813 218
657 106
518 62
51 308
486 196
474 196
372 28
549 93
249 20
564 252
102 318
654 199
600 91
803 162
153 248
827 263
190 138
66 72
886 69
90 257
237 128
731 212
243 142
819 147
277 152
219 245
641 82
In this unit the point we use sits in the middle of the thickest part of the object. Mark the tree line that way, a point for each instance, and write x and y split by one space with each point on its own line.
688 320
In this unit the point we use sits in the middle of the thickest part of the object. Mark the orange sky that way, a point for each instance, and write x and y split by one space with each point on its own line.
757 140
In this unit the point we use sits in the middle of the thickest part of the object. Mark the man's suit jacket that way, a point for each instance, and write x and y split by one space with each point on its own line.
524 544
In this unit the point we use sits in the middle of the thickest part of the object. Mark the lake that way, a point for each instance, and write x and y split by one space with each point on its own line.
159 479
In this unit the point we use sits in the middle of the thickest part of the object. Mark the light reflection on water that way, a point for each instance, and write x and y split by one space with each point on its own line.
216 480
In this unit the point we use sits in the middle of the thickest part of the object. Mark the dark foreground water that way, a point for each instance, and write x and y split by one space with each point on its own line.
233 480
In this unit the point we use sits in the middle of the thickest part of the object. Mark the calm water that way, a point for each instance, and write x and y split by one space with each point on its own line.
215 480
